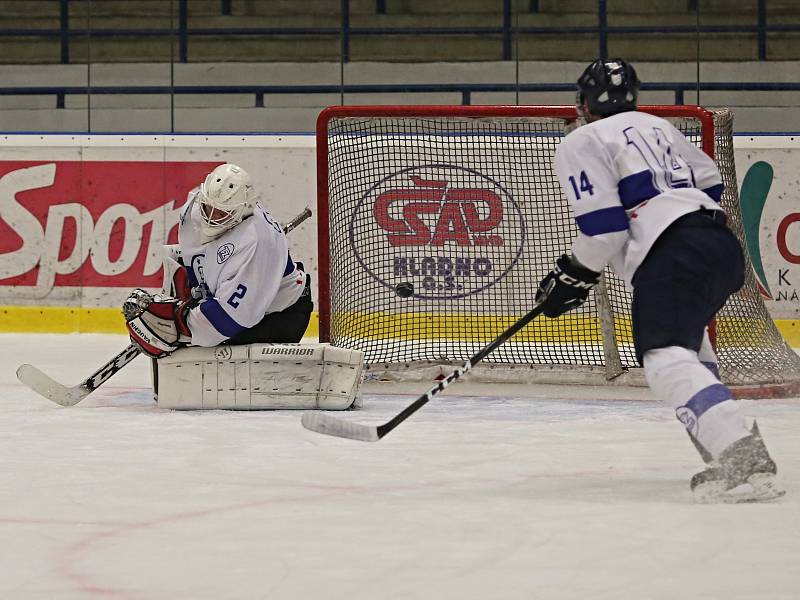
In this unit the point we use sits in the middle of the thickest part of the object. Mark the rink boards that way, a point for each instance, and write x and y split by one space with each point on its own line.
84 217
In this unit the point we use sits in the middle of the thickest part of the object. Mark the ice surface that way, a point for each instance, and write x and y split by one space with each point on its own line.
521 496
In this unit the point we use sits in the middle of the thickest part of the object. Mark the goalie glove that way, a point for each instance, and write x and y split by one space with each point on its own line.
565 287
156 325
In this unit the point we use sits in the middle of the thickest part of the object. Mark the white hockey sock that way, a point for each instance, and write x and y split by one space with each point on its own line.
703 404
707 355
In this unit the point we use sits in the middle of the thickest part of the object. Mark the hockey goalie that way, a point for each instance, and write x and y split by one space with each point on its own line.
225 331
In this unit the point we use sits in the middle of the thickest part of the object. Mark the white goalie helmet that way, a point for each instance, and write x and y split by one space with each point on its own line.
226 197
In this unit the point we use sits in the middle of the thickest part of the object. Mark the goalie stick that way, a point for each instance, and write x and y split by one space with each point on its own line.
297 220
46 386
322 422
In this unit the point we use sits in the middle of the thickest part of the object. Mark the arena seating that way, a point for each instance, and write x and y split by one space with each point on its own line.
37 31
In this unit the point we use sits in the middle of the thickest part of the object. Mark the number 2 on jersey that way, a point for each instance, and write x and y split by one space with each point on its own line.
237 295
585 185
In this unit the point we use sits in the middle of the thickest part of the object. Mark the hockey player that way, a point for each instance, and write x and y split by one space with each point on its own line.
236 282
646 202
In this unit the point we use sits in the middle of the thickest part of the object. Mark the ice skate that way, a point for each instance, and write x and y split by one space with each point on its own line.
744 472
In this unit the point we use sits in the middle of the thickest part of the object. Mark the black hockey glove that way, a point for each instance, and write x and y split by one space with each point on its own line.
565 287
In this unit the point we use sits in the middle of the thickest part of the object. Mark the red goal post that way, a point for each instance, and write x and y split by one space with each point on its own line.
462 202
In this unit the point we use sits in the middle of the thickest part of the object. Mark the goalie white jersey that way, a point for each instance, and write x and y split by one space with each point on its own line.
628 177
244 274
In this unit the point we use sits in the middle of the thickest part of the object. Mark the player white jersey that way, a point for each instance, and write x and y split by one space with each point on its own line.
628 177
245 273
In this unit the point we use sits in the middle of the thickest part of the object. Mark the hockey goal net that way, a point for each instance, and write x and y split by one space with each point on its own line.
462 203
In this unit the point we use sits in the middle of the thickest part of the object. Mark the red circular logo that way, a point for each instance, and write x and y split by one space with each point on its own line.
449 230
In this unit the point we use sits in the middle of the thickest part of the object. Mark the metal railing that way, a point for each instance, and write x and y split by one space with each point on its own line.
507 31
466 90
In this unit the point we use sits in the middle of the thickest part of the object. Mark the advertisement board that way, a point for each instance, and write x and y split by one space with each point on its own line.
768 169
83 217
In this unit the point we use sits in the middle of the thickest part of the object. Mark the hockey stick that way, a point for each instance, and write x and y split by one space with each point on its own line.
46 386
297 220
322 422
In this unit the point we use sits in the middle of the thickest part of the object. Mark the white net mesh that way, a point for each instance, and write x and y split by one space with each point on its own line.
468 210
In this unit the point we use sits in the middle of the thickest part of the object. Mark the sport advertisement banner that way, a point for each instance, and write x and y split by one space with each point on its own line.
93 224
83 225
82 218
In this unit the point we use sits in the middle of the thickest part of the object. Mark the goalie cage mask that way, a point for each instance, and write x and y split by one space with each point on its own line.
609 87
226 197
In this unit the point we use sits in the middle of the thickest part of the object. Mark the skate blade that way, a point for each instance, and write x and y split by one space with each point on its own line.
761 487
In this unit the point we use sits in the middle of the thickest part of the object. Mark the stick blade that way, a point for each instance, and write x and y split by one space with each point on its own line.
46 386
321 422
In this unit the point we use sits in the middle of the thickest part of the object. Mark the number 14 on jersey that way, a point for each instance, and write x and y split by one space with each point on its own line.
582 185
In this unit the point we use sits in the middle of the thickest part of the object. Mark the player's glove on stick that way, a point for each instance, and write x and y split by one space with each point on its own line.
157 325
565 287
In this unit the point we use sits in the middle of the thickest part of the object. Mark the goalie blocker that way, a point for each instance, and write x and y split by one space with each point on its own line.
259 377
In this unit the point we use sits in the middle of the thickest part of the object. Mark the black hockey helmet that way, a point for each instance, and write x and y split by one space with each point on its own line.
609 86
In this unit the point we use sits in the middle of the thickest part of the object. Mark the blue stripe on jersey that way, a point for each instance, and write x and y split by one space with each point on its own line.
708 397
605 220
715 191
289 266
221 320
635 189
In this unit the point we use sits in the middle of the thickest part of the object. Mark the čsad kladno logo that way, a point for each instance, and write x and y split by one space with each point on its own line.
451 231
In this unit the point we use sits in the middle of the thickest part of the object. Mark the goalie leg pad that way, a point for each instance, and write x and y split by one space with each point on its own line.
261 377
